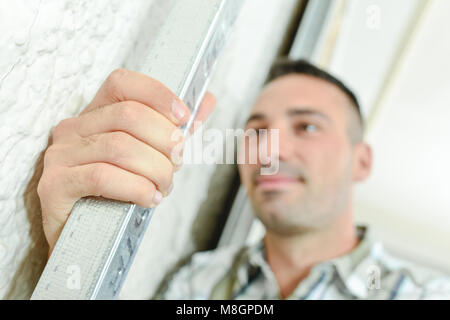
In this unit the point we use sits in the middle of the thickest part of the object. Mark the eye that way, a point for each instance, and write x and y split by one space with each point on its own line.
260 131
306 127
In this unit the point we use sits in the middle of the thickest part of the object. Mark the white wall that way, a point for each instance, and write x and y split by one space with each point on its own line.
408 196
54 54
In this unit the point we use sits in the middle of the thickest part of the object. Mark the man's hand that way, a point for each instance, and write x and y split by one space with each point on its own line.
120 147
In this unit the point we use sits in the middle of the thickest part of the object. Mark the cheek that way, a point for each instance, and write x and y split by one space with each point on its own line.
324 159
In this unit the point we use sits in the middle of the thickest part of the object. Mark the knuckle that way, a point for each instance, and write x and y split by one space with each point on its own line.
117 75
95 178
49 156
62 129
125 114
53 155
114 80
47 180
90 140
42 187
116 145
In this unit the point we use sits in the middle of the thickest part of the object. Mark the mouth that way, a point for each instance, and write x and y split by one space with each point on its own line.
276 182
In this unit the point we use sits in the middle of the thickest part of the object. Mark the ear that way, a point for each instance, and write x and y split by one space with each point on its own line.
362 161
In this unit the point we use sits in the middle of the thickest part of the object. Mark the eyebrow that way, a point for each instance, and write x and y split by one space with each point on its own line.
294 111
255 116
307 111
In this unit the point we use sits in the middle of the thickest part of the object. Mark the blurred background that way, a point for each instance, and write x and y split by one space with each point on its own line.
393 54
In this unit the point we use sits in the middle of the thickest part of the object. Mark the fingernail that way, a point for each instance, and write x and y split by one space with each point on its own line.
178 109
177 159
157 197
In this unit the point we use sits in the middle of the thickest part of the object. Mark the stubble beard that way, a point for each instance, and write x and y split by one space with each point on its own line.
312 210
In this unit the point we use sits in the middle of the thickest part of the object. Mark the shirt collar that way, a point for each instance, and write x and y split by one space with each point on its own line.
353 268
346 265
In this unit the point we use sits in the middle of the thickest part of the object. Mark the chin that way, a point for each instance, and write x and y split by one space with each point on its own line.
273 212
281 218
276 222
274 199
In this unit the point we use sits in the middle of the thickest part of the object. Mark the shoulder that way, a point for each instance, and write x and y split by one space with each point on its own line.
200 274
210 266
222 256
406 279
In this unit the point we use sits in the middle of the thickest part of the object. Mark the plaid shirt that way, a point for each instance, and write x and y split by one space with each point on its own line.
366 272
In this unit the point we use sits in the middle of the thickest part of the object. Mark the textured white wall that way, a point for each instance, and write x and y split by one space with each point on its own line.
54 55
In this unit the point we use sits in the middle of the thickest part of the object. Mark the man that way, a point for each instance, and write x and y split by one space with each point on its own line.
311 249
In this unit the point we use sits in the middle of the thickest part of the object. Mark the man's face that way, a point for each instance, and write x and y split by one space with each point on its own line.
313 184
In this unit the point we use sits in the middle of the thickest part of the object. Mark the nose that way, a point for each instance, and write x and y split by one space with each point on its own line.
282 144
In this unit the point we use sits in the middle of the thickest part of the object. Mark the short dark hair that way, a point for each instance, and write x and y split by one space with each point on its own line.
284 66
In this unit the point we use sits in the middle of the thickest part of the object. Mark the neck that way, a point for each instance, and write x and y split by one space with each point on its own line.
291 257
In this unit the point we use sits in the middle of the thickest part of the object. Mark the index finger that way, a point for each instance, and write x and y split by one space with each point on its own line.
124 85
